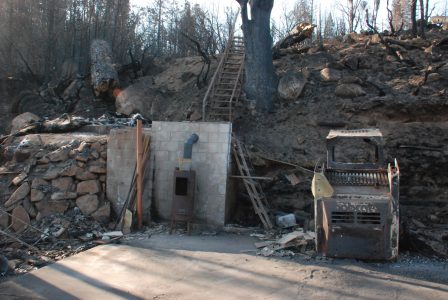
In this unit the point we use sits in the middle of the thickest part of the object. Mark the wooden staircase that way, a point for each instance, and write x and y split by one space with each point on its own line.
253 187
225 88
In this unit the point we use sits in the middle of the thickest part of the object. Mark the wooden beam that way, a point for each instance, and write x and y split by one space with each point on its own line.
139 157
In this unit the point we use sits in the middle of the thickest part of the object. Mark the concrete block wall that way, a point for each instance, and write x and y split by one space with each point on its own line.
211 161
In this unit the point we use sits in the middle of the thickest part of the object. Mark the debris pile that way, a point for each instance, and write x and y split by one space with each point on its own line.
289 244
49 239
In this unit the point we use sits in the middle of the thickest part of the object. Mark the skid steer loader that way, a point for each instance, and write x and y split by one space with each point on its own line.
356 198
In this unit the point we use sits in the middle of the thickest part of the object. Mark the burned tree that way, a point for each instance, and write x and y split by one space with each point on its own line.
104 75
260 76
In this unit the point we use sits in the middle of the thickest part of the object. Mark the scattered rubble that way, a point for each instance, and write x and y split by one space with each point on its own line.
289 244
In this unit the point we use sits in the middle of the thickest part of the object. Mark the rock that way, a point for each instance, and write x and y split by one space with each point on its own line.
195 116
97 147
351 62
103 178
63 195
350 79
70 170
328 74
94 154
22 154
62 184
102 215
83 157
51 207
87 204
433 77
4 220
38 183
52 173
37 195
88 187
85 175
98 169
43 161
29 207
19 178
349 90
19 194
20 219
22 120
60 154
83 147
4 265
291 85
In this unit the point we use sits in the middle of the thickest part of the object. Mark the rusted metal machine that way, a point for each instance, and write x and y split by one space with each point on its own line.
356 198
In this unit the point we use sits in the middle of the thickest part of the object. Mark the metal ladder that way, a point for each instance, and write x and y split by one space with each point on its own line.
253 187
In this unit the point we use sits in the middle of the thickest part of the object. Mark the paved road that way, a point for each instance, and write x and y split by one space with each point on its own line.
222 267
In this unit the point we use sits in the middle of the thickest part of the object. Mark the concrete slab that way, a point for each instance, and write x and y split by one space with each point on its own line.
219 267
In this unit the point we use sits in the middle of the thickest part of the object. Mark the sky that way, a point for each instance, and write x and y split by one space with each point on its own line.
279 5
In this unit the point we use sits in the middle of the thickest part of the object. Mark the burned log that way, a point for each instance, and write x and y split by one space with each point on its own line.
64 123
104 75
300 33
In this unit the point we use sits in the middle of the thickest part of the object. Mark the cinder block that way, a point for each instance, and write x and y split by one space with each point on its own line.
208 127
162 136
224 138
213 137
224 128
222 189
203 137
200 148
175 155
213 147
157 126
179 136
161 155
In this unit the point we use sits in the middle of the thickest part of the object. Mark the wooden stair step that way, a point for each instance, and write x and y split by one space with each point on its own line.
231 90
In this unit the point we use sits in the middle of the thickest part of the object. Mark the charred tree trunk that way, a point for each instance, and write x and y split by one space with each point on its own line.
104 76
50 38
260 77
414 17
422 20
300 33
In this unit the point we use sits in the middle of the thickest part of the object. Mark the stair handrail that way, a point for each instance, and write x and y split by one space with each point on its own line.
220 66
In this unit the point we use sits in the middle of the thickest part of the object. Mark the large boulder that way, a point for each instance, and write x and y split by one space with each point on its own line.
349 90
22 120
137 98
291 85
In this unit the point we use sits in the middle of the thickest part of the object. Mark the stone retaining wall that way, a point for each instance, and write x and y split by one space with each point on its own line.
55 173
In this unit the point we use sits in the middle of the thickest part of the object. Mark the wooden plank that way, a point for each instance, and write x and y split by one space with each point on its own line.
139 156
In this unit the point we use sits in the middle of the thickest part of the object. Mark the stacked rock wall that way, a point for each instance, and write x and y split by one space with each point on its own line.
48 174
